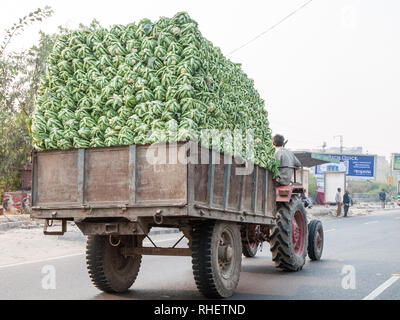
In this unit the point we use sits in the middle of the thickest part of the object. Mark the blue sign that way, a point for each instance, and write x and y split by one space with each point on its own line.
355 166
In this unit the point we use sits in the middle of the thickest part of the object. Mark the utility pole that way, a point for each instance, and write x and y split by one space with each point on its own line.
341 142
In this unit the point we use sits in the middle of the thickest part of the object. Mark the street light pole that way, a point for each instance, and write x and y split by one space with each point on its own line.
341 142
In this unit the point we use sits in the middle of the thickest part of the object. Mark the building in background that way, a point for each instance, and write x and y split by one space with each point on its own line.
18 202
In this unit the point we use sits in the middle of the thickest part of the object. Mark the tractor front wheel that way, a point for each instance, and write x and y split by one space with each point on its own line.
249 241
315 240
250 248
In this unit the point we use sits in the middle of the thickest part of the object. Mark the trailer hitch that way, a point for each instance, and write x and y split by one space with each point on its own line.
158 218
49 223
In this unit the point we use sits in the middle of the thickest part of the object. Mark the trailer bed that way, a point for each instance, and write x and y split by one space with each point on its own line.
129 183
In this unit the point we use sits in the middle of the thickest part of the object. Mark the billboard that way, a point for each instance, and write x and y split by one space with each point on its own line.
355 166
396 161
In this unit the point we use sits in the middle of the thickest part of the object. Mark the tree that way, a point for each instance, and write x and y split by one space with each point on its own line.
312 185
20 74
19 79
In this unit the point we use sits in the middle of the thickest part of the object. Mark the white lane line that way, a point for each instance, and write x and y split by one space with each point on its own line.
43 260
69 255
329 230
371 222
382 287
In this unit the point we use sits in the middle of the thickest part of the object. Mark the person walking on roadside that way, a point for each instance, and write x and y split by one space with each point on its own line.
339 199
347 202
382 198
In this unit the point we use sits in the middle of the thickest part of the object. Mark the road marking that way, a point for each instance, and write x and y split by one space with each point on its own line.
329 230
371 222
43 260
382 287
68 256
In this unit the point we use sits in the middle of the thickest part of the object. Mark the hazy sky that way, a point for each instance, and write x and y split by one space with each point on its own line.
331 69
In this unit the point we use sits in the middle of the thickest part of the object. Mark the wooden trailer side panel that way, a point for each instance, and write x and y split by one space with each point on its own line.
223 184
114 176
107 176
160 180
58 183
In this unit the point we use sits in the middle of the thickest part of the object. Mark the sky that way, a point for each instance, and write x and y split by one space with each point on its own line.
331 69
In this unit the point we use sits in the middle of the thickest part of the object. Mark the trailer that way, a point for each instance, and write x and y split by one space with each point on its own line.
223 205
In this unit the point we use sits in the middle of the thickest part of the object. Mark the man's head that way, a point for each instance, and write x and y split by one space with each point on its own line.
278 140
347 191
339 189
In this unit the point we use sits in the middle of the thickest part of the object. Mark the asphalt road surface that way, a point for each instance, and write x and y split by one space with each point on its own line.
361 260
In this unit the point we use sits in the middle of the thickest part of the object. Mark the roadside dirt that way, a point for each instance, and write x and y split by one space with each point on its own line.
321 212
20 245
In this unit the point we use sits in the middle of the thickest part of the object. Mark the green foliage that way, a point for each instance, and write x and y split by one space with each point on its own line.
19 78
370 187
35 16
312 184
110 87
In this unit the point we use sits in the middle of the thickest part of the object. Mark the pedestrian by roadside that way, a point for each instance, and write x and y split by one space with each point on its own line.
347 202
382 198
339 199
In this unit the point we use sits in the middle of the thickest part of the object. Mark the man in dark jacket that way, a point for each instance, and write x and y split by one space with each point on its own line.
347 201
382 197
287 160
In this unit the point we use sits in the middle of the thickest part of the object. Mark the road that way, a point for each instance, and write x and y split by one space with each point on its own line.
360 260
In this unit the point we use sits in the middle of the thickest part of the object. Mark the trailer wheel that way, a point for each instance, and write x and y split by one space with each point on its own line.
108 269
289 236
216 258
315 240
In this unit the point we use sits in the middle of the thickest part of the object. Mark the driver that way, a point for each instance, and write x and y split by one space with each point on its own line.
286 158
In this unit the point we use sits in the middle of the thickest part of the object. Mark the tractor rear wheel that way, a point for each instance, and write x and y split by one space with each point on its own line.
289 237
216 258
109 270
315 240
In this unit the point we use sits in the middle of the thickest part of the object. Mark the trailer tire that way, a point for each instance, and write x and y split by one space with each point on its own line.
289 237
315 240
108 269
216 258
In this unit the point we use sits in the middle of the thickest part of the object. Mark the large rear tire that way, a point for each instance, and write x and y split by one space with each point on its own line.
289 237
315 240
108 269
216 258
